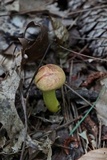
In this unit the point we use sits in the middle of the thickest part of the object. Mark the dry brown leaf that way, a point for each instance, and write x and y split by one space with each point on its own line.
92 77
98 154
35 42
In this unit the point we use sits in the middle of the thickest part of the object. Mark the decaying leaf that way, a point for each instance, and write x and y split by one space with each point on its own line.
11 5
47 6
101 105
9 118
70 140
26 5
100 154
90 126
46 146
92 77
84 136
12 49
104 133
49 154
35 42
59 30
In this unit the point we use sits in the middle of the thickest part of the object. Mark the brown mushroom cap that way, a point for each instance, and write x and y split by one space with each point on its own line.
49 77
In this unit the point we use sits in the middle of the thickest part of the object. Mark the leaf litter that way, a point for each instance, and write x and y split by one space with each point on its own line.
33 36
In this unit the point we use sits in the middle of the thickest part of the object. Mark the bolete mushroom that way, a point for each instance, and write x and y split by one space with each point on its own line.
49 78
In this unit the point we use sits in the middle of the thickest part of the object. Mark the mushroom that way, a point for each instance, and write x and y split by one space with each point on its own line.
49 78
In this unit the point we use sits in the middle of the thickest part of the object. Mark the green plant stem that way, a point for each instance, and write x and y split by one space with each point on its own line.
51 101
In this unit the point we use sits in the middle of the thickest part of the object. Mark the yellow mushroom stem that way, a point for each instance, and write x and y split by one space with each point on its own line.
51 101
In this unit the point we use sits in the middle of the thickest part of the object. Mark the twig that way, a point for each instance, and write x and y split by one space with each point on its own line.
88 9
78 94
25 116
94 58
99 137
68 123
61 146
90 38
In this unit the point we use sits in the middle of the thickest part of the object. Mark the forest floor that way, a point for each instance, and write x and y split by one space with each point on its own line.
32 34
